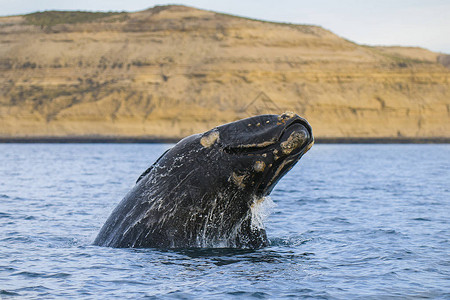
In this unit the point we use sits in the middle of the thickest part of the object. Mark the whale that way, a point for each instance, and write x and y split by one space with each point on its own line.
203 192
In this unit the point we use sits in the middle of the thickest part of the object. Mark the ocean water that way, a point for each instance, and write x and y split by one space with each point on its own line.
350 221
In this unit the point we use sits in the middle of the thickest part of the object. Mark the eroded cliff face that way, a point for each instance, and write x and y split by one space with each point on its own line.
173 71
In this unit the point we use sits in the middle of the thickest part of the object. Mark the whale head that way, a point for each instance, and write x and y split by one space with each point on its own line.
258 151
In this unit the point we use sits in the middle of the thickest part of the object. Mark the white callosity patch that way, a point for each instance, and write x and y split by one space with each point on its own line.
286 115
260 210
294 141
209 139
309 147
238 180
260 145
259 166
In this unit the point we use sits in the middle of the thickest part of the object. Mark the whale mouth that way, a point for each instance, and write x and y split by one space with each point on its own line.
278 153
295 140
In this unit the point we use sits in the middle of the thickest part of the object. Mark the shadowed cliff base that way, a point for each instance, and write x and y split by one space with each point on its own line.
172 71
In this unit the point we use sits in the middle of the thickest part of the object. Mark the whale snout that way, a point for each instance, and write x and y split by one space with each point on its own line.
294 140
297 135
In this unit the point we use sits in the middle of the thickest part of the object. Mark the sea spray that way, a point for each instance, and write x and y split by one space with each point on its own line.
260 210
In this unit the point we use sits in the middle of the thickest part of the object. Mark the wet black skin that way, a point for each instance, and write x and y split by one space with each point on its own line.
199 193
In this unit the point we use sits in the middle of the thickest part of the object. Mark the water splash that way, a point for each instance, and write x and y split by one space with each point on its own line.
260 211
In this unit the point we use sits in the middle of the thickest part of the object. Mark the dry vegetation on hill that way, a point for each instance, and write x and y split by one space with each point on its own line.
171 71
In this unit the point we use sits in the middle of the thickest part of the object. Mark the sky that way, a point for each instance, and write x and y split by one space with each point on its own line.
423 23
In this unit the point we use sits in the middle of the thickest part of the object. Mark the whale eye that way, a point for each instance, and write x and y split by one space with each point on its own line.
228 150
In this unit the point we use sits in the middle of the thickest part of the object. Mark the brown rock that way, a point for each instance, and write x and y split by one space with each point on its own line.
171 71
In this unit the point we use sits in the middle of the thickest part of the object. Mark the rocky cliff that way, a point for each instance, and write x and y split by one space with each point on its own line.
171 71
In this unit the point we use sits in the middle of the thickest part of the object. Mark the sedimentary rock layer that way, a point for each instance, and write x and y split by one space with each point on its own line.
171 71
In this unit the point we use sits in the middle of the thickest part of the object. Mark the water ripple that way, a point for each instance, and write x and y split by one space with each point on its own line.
375 227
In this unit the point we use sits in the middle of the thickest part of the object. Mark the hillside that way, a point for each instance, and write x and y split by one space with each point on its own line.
171 71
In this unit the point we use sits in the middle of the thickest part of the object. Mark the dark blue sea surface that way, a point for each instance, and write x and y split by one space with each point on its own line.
350 221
